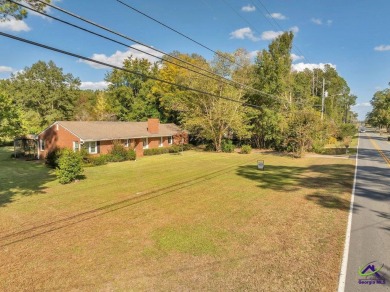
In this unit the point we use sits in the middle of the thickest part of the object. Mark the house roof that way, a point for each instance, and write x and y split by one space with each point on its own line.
103 130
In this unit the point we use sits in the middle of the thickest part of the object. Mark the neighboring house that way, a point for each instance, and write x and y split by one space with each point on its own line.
98 136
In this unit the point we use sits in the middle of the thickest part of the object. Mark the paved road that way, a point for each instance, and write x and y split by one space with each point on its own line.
370 229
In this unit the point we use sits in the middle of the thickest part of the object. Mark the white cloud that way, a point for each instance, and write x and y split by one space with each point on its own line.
14 25
382 48
94 85
363 104
248 8
244 33
277 15
319 21
253 54
270 34
316 21
5 69
118 57
302 66
295 58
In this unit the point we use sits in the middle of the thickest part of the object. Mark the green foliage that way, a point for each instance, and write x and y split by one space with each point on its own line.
131 155
156 151
227 146
44 93
131 96
99 160
118 152
172 149
11 118
52 158
380 114
70 166
347 130
10 10
246 149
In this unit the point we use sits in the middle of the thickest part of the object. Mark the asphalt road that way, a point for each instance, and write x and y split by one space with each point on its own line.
369 245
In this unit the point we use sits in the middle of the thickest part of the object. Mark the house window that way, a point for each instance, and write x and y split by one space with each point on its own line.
170 140
76 146
126 142
42 145
145 143
161 142
92 148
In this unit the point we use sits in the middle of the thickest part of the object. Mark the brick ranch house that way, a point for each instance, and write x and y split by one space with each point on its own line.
98 136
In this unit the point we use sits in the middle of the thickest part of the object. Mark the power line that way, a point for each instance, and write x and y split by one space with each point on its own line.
176 31
222 79
147 46
123 69
275 24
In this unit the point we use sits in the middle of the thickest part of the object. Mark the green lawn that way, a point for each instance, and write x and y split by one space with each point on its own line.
197 221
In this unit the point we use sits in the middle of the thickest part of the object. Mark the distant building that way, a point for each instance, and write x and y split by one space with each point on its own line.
97 137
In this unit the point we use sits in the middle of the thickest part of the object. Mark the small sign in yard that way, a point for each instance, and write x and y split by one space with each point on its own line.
260 164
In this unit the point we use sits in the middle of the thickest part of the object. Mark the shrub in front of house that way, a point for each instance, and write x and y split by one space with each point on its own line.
131 155
99 160
70 166
52 158
156 151
227 146
118 151
246 149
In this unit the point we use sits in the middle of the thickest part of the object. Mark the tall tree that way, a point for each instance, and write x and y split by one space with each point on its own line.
44 92
209 117
131 95
11 118
380 114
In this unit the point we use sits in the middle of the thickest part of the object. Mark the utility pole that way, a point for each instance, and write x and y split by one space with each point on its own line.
323 99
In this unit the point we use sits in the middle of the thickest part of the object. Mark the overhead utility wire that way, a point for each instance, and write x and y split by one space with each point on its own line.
176 31
278 26
150 47
123 69
222 79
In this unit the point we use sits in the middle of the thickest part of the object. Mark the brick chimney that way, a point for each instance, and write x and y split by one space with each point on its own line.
153 125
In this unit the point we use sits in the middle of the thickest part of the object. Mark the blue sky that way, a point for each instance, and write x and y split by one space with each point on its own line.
350 35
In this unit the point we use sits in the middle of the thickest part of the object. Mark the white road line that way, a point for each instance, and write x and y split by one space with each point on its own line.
343 272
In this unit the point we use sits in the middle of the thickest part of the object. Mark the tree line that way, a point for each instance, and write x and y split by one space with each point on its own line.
285 112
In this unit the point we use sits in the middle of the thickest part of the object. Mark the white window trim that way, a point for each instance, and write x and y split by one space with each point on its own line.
126 144
41 144
170 140
161 142
147 143
74 146
89 147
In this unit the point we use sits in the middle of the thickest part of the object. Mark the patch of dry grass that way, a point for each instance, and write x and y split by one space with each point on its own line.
197 221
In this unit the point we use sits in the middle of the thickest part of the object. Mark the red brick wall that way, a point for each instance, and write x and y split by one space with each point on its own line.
139 148
153 125
54 138
154 142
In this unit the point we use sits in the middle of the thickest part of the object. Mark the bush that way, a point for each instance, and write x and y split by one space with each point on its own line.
118 151
156 151
174 149
227 146
69 166
332 140
52 158
131 155
246 149
99 160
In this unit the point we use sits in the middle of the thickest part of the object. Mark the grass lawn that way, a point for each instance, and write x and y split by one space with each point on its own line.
197 221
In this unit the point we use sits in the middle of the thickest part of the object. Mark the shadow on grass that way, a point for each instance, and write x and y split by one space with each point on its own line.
330 178
19 177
